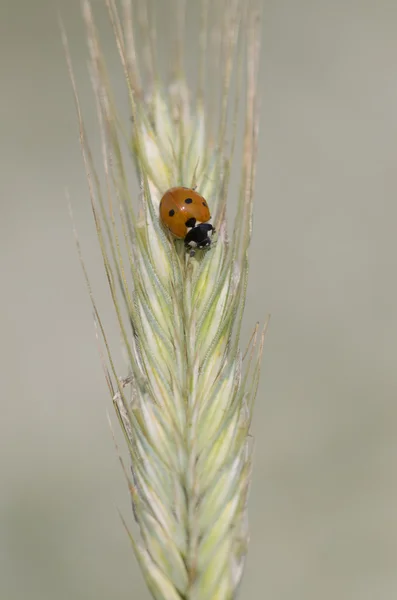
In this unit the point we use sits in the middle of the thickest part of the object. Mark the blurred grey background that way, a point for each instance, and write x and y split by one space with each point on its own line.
324 257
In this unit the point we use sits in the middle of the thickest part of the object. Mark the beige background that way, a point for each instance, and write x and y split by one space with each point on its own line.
324 257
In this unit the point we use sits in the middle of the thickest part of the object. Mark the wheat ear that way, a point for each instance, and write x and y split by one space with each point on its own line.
185 405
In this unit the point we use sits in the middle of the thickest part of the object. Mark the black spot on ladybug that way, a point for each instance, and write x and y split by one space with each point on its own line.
205 204
188 201
171 213
191 222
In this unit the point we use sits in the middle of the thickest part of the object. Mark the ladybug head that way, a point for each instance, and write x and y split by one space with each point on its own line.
199 237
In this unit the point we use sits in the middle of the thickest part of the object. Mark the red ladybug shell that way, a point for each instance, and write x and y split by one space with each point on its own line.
181 208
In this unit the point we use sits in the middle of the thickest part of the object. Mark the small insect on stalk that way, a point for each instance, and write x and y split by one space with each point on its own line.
186 214
185 400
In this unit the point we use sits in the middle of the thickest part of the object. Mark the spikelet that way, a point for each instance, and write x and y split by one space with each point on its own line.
185 404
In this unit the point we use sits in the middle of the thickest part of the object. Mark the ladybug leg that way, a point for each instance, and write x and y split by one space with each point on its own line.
190 246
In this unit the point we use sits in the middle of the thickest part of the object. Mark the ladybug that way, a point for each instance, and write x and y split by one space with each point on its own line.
186 214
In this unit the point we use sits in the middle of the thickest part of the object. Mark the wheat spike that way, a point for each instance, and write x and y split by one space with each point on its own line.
185 404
